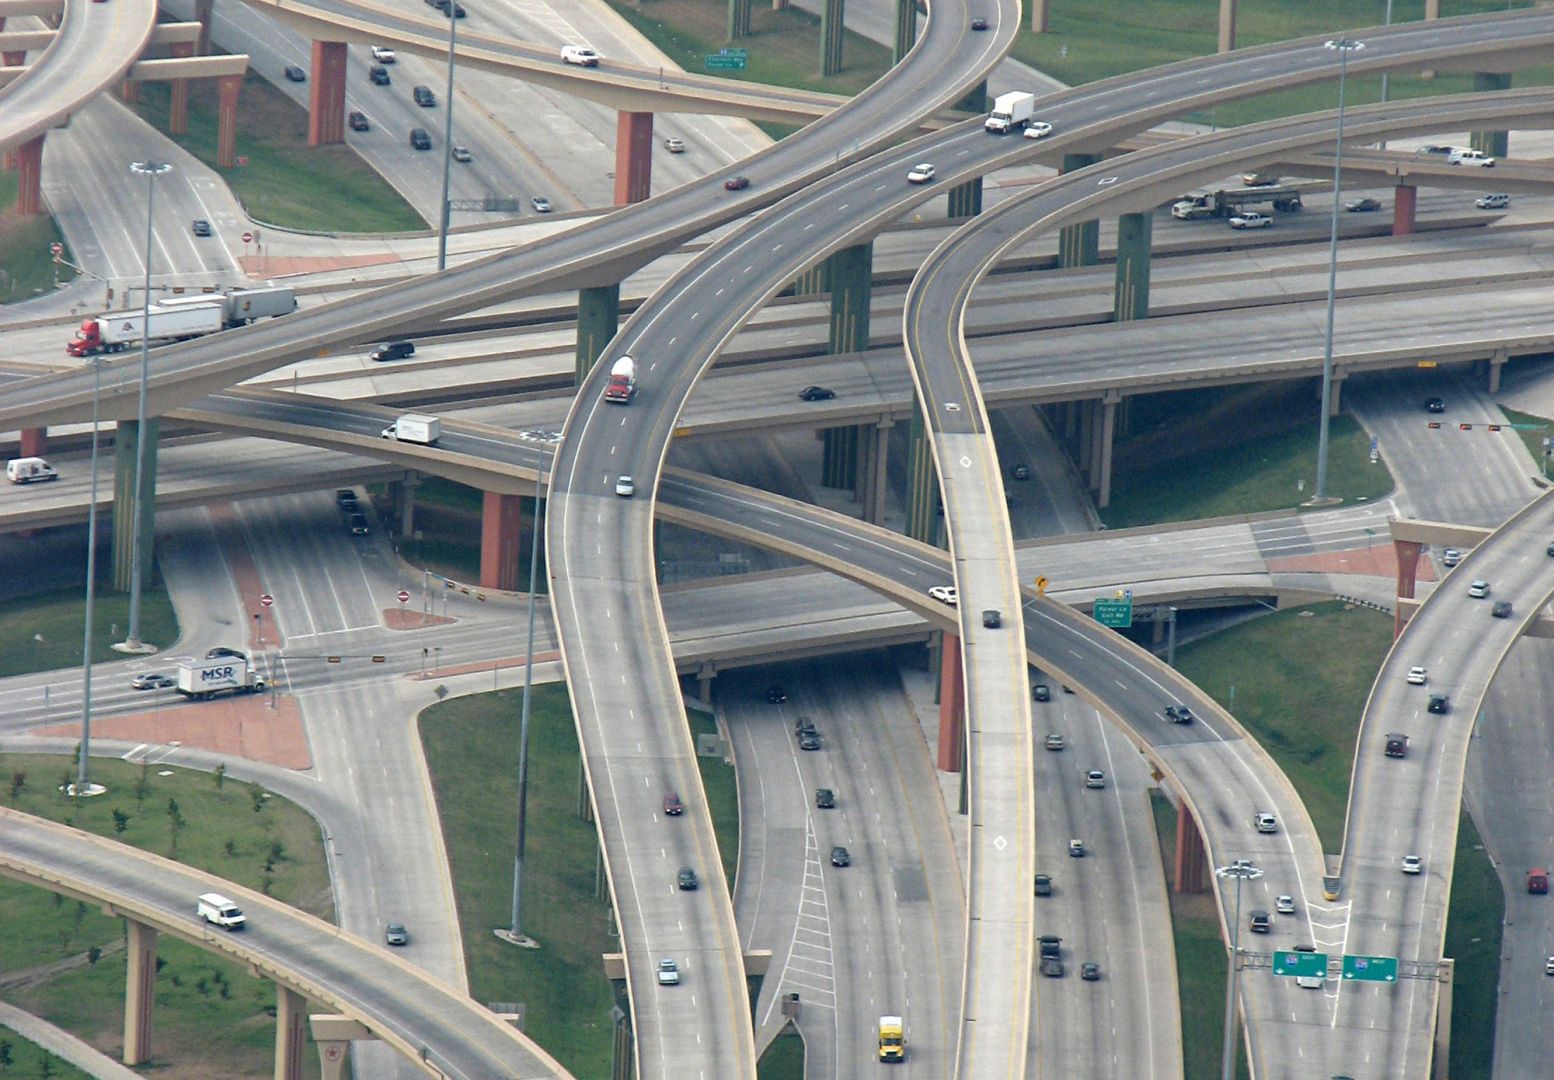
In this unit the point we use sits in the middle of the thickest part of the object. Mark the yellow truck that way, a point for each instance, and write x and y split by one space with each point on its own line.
892 1042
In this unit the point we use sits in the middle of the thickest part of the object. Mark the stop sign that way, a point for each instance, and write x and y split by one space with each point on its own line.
248 238
267 599
404 597
56 247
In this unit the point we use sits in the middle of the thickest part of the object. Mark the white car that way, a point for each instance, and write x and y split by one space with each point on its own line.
1037 129
668 973
921 173
625 487
945 594
1265 822
1412 864
674 145
381 55
1095 778
1548 966
581 55
1451 557
1462 155
1417 676
1250 219
1055 742
1284 905
1493 202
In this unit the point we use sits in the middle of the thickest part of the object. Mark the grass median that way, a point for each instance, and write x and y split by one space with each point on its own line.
64 960
472 749
26 264
20 1058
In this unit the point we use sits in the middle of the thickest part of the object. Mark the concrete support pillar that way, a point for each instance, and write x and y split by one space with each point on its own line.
326 94
1040 16
1130 296
852 281
178 100
202 13
1227 25
227 87
1444 977
839 456
407 503
623 1063
976 99
124 440
906 30
831 35
291 1017
922 492
704 676
633 157
1432 10
815 281
1106 432
139 992
1086 439
875 484
1191 863
1335 399
29 179
952 706
1497 362
501 541
1406 554
738 19
965 200
34 442
1405 199
1079 244
1494 143
129 91
598 318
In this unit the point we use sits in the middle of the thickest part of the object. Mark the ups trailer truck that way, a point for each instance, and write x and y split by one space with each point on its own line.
228 675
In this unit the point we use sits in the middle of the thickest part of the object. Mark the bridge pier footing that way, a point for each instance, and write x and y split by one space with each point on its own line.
1406 554
1191 861
633 157
29 176
34 442
227 88
952 705
502 536
291 1017
1405 202
139 991
326 94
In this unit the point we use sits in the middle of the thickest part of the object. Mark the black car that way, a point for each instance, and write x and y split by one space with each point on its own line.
379 75
201 227
1040 692
1179 714
816 393
345 499
357 121
825 799
839 857
358 525
809 740
1043 884
424 97
295 74
395 934
687 879
776 695
392 350
419 139
979 23
1435 405
1362 206
1089 971
221 650
1501 610
1439 703
992 619
736 183
1020 472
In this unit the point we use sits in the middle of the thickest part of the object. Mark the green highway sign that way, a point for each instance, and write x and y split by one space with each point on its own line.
1300 964
1117 614
719 62
1371 968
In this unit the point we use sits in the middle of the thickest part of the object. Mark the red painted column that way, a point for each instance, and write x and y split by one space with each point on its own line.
129 91
1404 198
1407 554
952 705
34 442
1190 860
633 157
29 181
178 103
326 95
11 59
202 12
501 541
227 87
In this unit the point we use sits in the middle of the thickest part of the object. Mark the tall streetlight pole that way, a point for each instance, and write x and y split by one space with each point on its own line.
1241 870
1343 46
447 142
83 784
150 170
515 932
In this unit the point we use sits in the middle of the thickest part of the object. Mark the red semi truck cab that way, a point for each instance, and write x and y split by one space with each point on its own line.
1537 880
87 341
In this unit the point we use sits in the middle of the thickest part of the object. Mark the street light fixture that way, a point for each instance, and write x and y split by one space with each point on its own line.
515 932
1343 46
1241 870
150 170
83 785
447 143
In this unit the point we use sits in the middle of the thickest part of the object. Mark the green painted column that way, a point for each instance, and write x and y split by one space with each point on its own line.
906 30
598 318
831 36
1497 144
852 277
975 100
815 280
965 200
922 485
839 456
124 440
1079 244
738 19
1130 299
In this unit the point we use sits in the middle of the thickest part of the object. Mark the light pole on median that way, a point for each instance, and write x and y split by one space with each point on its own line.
515 932
150 170
447 143
1241 870
1343 46
83 785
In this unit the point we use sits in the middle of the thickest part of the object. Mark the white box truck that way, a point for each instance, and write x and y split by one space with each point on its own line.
219 911
204 679
415 428
29 470
1009 112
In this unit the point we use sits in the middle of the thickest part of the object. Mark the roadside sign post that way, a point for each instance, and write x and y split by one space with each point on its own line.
404 598
1116 614
727 60
1300 964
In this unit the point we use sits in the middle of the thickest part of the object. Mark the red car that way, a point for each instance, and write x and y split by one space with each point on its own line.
736 183
672 804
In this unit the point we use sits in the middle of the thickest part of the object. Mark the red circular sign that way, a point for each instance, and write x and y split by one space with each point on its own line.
267 599
56 247
404 597
248 238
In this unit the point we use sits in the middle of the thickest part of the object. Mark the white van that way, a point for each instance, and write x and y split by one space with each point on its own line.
219 911
581 55
1462 155
29 470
